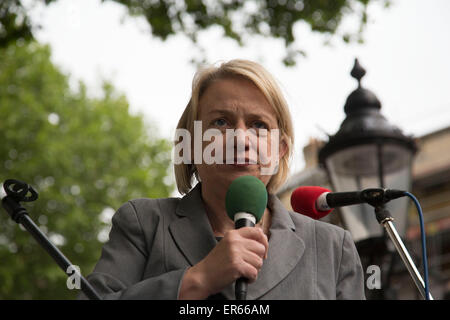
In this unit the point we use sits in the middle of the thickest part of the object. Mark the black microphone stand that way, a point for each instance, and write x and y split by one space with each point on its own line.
17 192
385 219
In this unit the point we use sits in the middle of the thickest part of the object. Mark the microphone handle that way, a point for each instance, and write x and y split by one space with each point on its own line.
240 288
339 199
241 223
373 196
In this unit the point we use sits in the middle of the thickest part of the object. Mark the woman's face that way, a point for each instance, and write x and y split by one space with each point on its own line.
236 103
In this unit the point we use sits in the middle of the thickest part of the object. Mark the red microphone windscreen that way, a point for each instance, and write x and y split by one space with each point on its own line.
303 200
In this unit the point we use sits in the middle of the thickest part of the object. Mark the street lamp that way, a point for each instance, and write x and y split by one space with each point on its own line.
368 152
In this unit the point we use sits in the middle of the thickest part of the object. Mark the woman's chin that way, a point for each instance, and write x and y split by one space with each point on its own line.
233 171
226 173
241 167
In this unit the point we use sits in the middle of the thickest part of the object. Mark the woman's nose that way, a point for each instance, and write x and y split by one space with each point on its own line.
241 125
244 137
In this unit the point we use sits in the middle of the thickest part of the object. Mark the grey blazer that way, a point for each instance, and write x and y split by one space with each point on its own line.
154 241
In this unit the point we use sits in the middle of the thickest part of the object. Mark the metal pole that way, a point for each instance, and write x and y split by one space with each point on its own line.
403 252
17 191
57 255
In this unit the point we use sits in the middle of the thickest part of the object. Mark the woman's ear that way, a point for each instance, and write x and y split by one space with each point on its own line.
282 148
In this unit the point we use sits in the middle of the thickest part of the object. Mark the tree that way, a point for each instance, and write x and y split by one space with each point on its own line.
237 18
82 154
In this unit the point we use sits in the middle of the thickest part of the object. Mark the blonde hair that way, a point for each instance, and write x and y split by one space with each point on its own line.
264 81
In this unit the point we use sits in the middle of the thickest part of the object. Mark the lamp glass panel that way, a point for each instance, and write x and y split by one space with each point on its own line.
357 168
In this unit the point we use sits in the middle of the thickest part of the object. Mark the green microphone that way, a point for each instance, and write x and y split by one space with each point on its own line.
245 202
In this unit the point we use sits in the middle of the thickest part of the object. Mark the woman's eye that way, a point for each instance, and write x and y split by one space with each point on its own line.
260 125
220 122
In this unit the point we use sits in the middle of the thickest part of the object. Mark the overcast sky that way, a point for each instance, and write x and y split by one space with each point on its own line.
406 55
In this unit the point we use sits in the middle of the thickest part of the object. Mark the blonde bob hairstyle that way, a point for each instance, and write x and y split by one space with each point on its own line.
254 72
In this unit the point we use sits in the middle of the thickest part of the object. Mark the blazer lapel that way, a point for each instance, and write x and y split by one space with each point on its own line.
285 251
192 232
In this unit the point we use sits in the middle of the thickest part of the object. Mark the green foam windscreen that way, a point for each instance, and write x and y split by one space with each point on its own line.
246 194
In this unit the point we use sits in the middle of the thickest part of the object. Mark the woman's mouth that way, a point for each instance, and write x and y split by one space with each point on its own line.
243 162
241 165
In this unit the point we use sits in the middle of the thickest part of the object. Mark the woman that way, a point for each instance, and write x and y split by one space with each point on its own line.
188 248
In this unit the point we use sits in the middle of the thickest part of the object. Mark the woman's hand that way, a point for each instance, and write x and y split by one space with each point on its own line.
239 254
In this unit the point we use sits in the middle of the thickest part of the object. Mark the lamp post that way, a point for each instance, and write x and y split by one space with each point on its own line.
368 152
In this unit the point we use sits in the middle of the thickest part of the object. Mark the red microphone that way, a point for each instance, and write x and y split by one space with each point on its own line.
304 201
317 202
